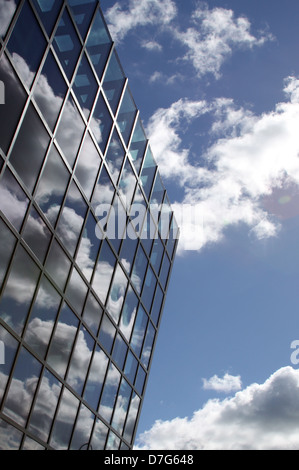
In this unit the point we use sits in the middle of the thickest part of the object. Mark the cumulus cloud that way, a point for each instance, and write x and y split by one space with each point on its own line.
252 155
139 13
228 383
259 417
213 37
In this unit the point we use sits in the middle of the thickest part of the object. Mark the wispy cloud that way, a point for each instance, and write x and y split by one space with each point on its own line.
138 13
215 34
228 383
250 157
260 417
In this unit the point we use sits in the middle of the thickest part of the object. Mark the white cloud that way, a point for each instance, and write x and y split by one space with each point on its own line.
250 157
139 13
214 36
151 45
260 417
228 383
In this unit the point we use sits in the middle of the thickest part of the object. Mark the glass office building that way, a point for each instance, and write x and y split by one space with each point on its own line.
87 235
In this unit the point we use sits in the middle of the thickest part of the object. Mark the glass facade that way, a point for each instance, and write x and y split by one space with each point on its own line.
85 249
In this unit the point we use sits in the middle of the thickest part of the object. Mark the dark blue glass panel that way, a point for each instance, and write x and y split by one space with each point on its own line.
80 360
114 81
96 378
48 12
37 235
89 248
103 193
164 271
140 379
66 44
127 252
30 147
88 164
82 11
139 269
148 289
6 248
148 171
131 367
157 253
138 145
42 317
139 331
50 90
148 345
99 44
10 8
70 131
92 314
158 191
85 86
13 201
107 334
127 183
10 348
109 393
119 351
128 313
115 156
101 123
27 44
104 271
12 102
126 115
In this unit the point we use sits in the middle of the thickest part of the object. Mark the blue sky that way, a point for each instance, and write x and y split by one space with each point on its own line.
217 86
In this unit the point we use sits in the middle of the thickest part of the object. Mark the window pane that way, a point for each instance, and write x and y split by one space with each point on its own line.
19 290
6 248
70 131
30 148
58 265
119 351
104 191
66 44
88 248
8 13
107 334
117 293
99 44
13 201
82 12
127 252
50 91
131 420
126 115
148 172
114 81
131 367
112 442
14 101
138 145
48 11
128 313
115 156
76 291
83 428
96 378
148 289
37 235
80 360
140 379
101 123
88 165
139 331
10 348
148 345
42 317
63 340
121 407
109 393
103 273
157 253
23 384
99 436
127 183
85 86
11 437
72 218
139 269
164 271
92 314
27 54
52 186
64 422
158 191
45 406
